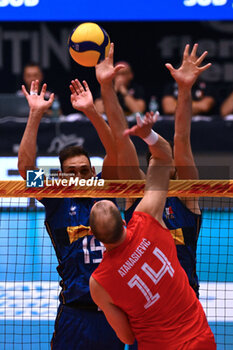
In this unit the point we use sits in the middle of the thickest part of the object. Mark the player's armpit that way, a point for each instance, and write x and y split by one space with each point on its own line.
114 315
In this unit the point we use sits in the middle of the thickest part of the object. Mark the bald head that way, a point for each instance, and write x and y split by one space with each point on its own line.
106 222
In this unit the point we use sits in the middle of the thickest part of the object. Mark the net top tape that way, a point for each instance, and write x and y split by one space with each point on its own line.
118 189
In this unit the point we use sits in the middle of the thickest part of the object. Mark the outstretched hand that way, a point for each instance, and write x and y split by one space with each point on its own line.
81 96
143 126
105 70
189 71
35 99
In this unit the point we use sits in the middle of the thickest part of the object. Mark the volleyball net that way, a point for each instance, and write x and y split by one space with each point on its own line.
29 283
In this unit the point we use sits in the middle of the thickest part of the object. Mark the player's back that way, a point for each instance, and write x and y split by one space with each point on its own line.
148 283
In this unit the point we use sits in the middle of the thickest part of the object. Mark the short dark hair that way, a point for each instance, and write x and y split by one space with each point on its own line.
72 151
31 64
112 232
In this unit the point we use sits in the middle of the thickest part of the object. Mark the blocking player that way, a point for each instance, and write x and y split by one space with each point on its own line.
79 325
182 216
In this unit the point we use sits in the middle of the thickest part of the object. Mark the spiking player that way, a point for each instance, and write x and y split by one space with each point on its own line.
140 284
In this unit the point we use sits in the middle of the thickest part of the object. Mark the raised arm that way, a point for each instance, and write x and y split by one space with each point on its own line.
185 76
38 106
82 100
128 164
160 167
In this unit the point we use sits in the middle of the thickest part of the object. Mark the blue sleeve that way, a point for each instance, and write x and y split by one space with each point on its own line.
51 205
129 212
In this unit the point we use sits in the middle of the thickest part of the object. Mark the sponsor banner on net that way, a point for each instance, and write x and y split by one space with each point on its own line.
39 300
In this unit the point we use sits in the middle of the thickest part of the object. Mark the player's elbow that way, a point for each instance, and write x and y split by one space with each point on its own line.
128 339
21 169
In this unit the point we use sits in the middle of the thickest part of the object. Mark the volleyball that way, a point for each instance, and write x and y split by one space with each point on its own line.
89 44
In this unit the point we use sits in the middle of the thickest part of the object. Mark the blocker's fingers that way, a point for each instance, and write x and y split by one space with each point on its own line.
118 67
79 85
43 90
186 51
75 86
51 99
130 131
86 85
25 91
201 58
170 67
32 88
111 51
194 51
202 69
36 88
72 89
155 116
139 120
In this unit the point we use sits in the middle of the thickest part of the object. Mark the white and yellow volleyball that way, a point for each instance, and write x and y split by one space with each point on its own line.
89 44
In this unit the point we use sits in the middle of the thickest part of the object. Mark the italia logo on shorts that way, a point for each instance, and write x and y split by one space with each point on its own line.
35 178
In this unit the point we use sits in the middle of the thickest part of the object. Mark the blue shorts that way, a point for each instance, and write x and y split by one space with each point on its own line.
134 346
77 329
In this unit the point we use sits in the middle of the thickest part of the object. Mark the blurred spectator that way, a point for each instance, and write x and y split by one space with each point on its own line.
32 71
226 107
202 95
131 95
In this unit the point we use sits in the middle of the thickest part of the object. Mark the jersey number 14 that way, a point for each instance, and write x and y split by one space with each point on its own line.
154 276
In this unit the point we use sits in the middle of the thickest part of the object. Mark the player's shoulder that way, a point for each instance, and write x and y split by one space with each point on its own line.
142 219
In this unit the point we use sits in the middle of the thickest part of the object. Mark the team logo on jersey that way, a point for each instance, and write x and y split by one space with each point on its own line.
35 178
73 210
169 214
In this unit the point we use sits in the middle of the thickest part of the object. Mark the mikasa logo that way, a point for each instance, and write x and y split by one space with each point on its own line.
18 3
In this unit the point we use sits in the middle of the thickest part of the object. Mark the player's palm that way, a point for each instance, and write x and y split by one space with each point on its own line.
38 103
187 74
190 69
105 70
82 101
35 99
81 96
143 126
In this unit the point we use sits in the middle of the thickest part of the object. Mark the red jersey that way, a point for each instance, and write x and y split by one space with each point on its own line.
145 279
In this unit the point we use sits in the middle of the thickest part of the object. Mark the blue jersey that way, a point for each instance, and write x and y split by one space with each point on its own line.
184 226
78 252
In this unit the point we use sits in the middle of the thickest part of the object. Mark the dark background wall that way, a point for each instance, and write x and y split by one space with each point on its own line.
146 45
